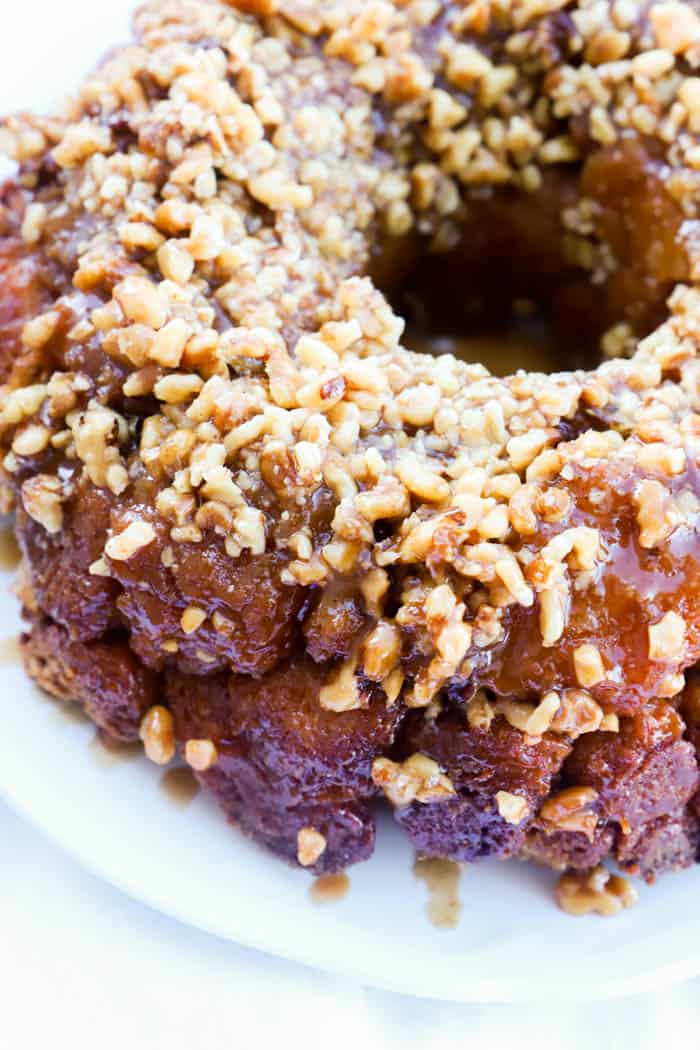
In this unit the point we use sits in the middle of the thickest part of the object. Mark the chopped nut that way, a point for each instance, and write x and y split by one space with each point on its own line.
671 685
417 405
676 26
392 686
192 618
136 536
465 65
278 191
169 343
33 223
96 433
342 690
157 731
667 637
201 755
480 713
656 515
588 665
37 332
81 141
42 496
553 614
99 568
570 810
141 302
530 719
578 714
421 480
177 387
175 262
22 403
594 890
417 778
381 651
513 808
31 440
311 845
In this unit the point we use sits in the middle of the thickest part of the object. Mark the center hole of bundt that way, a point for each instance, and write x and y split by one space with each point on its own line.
501 313
522 339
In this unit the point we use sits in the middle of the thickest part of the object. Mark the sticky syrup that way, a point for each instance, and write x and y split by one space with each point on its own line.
10 652
179 784
9 551
441 877
329 888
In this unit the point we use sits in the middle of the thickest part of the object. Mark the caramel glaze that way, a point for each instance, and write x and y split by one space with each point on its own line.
329 888
441 878
179 785
632 589
9 550
10 652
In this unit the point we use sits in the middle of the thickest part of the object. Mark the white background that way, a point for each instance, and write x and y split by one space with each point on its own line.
83 966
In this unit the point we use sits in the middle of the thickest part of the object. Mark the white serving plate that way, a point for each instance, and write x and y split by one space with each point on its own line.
512 943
